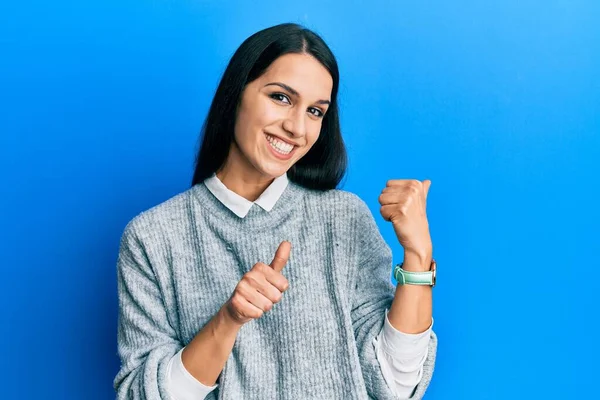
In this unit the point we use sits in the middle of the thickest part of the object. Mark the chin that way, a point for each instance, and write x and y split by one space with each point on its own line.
275 171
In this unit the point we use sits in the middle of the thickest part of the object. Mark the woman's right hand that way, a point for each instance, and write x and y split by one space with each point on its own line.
260 288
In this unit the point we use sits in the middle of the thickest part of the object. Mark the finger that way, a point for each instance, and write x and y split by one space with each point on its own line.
270 292
393 189
246 309
259 281
275 278
397 182
387 212
281 256
254 297
272 277
388 198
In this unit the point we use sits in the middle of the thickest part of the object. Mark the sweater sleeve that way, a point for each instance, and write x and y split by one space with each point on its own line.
372 296
401 356
146 341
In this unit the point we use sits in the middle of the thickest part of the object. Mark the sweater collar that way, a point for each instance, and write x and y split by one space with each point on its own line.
240 205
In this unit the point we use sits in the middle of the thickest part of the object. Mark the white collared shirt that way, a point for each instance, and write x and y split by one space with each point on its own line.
239 204
400 355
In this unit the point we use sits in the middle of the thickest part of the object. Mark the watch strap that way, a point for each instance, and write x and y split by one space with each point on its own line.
404 277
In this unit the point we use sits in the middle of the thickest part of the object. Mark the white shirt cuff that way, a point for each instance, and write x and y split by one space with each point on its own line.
402 345
182 384
401 357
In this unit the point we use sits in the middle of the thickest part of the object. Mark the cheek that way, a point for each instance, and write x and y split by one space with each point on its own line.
260 115
250 111
268 113
241 124
313 133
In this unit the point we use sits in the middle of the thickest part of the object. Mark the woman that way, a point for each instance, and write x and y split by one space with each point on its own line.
264 281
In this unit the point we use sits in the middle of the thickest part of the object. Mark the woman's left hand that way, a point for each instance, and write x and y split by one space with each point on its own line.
403 203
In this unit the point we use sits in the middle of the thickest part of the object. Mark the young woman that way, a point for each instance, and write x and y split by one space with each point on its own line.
264 281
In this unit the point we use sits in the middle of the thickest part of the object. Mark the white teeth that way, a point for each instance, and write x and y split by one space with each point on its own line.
279 146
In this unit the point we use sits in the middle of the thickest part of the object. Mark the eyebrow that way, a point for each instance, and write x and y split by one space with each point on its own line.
293 91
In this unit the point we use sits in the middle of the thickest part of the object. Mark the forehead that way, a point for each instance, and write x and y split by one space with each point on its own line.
303 73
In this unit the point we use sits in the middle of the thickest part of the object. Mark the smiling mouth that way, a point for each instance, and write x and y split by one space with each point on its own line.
279 146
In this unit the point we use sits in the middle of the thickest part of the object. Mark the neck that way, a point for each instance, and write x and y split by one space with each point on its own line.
239 176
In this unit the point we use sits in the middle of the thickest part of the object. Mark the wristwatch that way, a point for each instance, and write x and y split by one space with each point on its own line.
415 278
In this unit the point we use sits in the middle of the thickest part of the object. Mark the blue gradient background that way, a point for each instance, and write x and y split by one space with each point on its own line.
497 102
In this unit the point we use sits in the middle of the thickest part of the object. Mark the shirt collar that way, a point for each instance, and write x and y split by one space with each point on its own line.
240 205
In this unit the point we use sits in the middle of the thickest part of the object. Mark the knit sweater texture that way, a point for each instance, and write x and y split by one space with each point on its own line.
181 260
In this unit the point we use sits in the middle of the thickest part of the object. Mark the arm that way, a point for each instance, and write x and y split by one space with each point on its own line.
148 345
145 339
256 293
373 294
205 356
182 384
411 308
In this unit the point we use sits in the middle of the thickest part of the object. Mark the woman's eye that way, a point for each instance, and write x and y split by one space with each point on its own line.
285 99
316 112
280 97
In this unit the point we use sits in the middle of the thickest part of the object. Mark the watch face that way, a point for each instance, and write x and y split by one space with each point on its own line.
433 270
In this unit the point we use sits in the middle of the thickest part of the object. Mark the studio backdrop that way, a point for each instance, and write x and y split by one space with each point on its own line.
496 102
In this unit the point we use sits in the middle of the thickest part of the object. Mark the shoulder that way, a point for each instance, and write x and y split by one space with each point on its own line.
349 216
341 202
159 220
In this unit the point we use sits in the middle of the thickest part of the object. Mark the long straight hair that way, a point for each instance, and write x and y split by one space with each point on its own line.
324 165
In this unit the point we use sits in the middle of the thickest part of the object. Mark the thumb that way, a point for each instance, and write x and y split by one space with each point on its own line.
281 256
426 185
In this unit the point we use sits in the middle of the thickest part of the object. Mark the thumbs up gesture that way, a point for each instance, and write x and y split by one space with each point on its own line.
260 288
403 203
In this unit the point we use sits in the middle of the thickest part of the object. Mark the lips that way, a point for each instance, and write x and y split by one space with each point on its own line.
280 139
276 154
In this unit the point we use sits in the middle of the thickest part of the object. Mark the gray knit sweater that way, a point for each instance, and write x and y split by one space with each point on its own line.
180 261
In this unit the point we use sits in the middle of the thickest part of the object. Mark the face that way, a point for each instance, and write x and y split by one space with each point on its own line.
280 115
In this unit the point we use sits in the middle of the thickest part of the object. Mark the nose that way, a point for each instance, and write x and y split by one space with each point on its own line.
294 123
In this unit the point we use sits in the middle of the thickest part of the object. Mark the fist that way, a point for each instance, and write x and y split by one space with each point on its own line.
403 203
260 288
